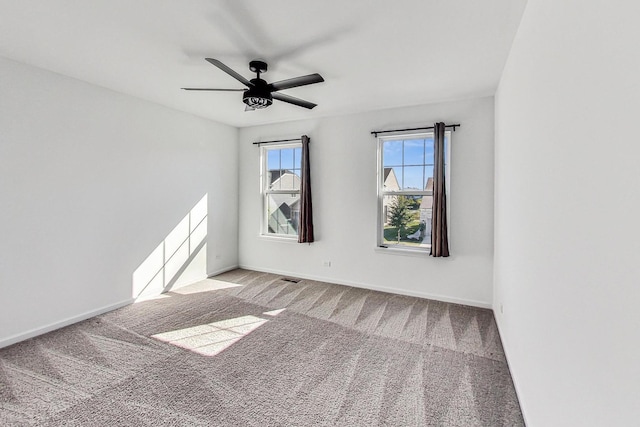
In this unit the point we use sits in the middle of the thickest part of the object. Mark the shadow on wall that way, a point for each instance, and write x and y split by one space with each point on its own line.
179 259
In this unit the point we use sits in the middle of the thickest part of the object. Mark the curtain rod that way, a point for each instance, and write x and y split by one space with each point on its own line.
277 140
376 132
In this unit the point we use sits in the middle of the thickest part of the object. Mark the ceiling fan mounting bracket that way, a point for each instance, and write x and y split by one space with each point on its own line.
258 66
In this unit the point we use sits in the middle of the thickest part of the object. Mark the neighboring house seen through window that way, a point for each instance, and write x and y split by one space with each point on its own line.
405 190
281 167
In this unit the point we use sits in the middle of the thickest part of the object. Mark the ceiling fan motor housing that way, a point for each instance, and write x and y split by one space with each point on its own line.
257 96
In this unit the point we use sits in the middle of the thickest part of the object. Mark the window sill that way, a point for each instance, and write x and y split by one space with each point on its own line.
403 251
277 238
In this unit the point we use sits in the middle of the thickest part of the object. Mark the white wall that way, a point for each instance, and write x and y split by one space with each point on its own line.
567 260
91 181
343 174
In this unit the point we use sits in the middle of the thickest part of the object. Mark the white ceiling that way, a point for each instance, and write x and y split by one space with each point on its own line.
372 54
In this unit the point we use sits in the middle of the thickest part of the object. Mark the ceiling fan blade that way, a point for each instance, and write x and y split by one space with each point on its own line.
210 89
295 101
229 71
295 82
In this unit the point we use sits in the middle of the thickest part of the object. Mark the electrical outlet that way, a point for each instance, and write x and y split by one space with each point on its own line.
327 263
501 309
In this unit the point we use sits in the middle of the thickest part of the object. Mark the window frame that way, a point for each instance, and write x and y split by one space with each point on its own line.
265 191
395 247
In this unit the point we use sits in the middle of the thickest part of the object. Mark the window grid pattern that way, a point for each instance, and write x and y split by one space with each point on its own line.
405 191
281 190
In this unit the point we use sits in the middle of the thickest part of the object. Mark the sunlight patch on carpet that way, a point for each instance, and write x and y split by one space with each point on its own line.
206 285
211 338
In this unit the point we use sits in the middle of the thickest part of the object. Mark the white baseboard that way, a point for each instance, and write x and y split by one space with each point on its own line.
398 291
515 384
222 270
206 276
5 342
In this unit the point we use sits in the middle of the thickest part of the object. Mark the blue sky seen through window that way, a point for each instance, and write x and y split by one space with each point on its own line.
411 160
285 158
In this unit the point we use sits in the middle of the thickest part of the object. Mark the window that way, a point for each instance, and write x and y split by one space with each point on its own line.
405 190
281 189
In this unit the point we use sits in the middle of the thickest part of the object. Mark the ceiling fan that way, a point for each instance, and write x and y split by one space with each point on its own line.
260 94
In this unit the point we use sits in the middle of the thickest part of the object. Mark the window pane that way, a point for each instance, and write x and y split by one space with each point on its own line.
296 179
273 159
428 176
391 179
414 152
274 179
428 151
285 180
286 158
413 178
406 220
392 153
297 158
283 213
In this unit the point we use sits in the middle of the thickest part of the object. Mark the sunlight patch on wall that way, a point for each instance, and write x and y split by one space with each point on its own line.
173 255
212 338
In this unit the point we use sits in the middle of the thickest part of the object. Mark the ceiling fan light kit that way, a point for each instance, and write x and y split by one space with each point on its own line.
260 94
256 101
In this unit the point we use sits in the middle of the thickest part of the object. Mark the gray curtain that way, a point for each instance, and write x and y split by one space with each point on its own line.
305 227
439 238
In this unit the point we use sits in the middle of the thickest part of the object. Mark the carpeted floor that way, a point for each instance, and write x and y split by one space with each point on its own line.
251 349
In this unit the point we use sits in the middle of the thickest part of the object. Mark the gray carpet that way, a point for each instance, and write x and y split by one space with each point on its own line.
223 352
